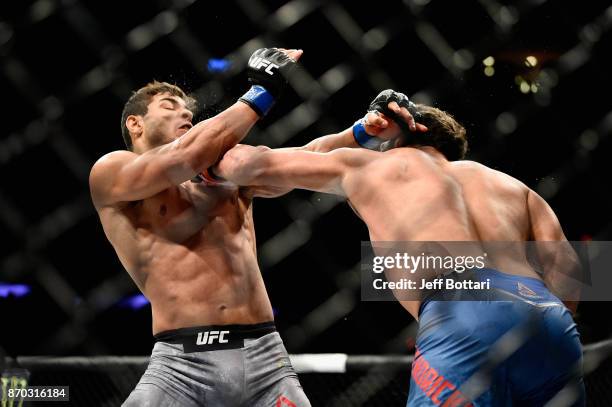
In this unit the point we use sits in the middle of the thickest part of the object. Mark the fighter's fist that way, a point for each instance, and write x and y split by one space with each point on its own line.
374 128
268 71
396 106
270 68
390 115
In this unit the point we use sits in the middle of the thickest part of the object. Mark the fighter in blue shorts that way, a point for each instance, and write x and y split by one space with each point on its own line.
416 187
516 345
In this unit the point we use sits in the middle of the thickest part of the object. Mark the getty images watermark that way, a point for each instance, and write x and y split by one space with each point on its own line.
573 271
422 265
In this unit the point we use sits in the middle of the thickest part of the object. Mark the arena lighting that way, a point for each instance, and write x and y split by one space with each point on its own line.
524 87
488 62
218 65
16 290
531 61
135 302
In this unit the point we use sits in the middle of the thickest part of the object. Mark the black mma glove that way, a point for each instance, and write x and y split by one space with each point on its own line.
268 71
381 104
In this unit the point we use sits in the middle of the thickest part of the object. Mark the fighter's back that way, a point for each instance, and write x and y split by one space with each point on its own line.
496 202
420 196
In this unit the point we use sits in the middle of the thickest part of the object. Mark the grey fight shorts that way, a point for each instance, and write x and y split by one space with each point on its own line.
225 365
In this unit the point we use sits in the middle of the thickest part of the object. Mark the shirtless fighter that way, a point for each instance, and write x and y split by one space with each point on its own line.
420 191
190 246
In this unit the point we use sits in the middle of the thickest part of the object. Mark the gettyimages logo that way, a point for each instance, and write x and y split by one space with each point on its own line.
259 62
413 270
209 337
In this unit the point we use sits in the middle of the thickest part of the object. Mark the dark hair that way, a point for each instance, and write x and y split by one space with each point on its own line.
445 134
138 104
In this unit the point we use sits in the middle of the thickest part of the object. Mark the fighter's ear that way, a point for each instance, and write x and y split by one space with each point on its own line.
134 125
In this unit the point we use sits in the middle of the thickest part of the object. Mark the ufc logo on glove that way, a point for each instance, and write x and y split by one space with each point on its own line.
259 62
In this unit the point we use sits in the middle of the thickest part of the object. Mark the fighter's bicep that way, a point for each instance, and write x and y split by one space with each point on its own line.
545 225
125 176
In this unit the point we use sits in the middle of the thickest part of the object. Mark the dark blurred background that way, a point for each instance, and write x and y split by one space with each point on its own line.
530 80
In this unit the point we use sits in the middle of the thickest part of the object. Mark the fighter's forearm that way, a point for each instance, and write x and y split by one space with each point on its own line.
282 168
242 165
331 142
245 170
205 143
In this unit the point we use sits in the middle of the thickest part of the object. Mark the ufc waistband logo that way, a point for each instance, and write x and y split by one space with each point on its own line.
209 337
259 62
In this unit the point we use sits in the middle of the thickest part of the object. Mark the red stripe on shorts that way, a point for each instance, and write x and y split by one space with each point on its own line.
432 383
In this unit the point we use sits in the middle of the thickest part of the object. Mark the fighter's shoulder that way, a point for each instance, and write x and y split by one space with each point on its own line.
112 159
101 172
110 162
493 174
354 157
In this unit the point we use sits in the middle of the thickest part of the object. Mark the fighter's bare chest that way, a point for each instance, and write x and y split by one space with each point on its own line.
179 213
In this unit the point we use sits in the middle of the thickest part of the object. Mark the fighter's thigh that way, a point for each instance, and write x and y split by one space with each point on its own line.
149 395
152 395
287 392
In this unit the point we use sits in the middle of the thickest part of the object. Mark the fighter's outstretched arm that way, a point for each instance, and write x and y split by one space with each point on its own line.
284 168
375 124
330 142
